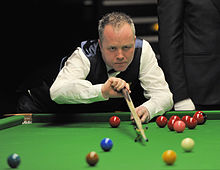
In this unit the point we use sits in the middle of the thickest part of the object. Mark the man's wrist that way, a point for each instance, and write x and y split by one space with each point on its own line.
104 95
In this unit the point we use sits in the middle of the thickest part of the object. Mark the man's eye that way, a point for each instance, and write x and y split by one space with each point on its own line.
112 48
126 47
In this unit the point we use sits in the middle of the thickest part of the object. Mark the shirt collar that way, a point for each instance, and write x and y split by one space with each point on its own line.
113 73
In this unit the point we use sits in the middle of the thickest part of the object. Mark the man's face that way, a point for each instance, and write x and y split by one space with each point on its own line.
118 46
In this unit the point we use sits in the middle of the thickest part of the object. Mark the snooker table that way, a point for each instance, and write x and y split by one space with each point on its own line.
61 142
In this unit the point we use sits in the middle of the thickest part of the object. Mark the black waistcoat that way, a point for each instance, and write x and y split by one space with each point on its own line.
98 74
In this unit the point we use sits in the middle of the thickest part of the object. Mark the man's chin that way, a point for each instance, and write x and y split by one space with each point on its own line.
121 69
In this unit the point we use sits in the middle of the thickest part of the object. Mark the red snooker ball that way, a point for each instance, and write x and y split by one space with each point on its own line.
175 117
191 123
114 121
161 121
200 117
170 124
185 118
179 126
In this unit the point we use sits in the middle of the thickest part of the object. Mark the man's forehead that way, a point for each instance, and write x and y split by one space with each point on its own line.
123 34
118 27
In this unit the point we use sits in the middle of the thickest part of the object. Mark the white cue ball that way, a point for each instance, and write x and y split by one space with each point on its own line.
187 144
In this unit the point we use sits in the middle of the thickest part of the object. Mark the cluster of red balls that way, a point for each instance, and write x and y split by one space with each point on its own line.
178 124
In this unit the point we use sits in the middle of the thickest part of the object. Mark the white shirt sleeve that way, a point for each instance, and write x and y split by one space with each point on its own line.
70 86
186 104
153 82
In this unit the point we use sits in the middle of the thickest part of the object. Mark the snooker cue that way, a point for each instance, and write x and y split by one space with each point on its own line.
133 112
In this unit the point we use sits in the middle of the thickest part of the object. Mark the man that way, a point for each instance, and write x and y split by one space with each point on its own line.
87 75
189 41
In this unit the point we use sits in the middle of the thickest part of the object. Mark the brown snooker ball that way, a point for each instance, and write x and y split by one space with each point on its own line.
92 158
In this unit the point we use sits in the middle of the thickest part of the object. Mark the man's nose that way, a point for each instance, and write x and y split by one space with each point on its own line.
120 55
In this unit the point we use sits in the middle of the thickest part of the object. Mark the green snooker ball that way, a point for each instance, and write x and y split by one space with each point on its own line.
14 160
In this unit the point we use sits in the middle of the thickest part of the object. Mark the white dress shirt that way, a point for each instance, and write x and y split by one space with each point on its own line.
70 86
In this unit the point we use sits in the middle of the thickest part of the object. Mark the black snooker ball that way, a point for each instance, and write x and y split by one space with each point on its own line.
14 160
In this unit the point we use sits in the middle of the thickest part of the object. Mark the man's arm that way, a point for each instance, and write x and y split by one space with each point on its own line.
70 86
155 87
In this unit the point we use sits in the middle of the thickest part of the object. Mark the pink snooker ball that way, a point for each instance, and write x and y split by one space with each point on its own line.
179 126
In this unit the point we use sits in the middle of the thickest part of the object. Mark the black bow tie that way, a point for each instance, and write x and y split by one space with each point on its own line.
111 71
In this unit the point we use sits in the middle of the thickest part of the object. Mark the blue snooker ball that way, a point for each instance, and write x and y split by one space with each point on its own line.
14 160
106 144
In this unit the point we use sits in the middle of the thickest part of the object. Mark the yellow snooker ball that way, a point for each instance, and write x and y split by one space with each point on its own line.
187 144
169 157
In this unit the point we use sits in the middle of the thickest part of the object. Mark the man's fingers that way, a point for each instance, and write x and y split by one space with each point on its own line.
144 118
117 84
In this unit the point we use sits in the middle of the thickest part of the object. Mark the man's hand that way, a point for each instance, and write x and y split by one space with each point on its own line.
143 114
113 86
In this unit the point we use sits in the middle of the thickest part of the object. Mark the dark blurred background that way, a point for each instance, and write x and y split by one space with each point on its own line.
36 34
